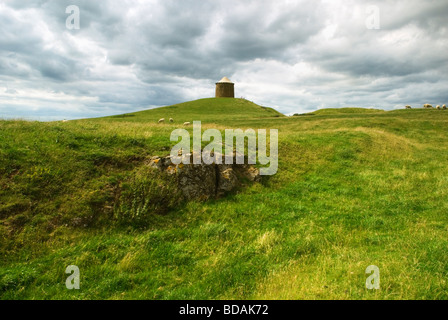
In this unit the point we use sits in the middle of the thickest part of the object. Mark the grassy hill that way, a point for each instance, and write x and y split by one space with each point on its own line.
206 110
351 191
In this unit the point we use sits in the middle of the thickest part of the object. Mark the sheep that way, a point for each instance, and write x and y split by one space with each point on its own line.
444 107
171 120
162 120
187 123
408 107
427 106
438 107
64 120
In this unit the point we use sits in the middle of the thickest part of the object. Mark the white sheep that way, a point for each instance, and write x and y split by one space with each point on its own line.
187 123
444 107
438 107
427 106
408 107
162 120
171 120
64 120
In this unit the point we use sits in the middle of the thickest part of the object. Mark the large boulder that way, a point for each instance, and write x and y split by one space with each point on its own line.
226 179
196 181
206 181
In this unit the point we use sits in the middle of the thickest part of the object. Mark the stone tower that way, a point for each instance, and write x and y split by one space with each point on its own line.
225 88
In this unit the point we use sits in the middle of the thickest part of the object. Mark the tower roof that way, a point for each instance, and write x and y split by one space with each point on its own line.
225 80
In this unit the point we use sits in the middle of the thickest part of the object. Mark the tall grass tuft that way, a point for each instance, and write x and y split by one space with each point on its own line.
145 194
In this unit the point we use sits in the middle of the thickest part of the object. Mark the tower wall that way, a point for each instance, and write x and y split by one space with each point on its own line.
225 90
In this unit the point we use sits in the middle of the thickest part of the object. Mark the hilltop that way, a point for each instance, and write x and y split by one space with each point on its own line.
208 109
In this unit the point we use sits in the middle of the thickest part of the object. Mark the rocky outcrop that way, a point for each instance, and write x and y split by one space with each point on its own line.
207 181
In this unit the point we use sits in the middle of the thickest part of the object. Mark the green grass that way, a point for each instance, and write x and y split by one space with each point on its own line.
352 190
328 111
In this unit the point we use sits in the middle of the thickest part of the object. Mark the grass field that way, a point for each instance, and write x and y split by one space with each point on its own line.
345 110
353 189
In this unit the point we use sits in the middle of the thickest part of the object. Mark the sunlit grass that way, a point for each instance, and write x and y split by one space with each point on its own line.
352 190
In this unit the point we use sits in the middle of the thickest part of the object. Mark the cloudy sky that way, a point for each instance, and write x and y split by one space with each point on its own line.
295 56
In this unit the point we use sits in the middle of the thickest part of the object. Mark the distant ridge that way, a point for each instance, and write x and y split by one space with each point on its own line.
345 110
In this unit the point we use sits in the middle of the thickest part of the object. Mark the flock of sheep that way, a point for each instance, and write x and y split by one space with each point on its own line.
171 120
428 106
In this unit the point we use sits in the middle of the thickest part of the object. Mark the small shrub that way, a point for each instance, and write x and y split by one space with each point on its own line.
145 194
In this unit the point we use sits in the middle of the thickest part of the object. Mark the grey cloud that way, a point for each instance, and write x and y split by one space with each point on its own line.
295 56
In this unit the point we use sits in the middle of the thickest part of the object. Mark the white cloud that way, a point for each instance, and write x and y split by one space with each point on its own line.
293 55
